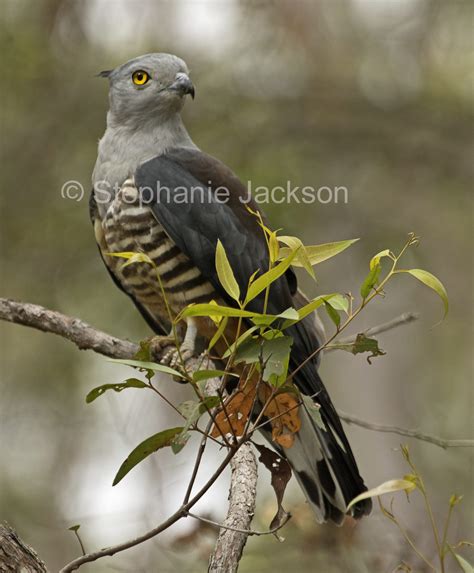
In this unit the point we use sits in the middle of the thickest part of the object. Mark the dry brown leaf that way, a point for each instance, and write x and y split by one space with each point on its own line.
233 419
285 440
281 475
282 411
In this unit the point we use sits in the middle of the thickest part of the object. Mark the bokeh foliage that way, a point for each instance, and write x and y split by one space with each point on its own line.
376 97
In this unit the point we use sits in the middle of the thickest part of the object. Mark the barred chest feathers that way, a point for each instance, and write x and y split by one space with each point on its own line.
128 225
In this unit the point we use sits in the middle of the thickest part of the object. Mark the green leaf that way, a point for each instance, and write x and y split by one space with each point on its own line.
362 344
319 253
370 280
375 260
146 448
225 273
216 310
144 353
200 375
289 314
308 309
132 258
147 366
268 319
387 487
333 314
239 341
74 528
273 247
465 565
455 499
263 320
314 410
219 332
129 383
265 280
302 257
192 411
276 367
337 301
179 442
274 352
432 282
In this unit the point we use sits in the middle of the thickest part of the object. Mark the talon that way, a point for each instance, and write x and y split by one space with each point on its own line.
175 359
161 347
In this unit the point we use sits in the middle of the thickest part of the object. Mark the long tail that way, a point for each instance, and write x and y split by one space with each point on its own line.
326 470
321 456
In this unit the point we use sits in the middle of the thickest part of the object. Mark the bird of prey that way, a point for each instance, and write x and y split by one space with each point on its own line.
146 149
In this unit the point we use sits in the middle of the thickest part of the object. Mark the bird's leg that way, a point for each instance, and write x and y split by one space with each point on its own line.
160 346
187 348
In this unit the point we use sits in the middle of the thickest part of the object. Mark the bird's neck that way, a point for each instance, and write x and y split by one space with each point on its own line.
153 134
126 145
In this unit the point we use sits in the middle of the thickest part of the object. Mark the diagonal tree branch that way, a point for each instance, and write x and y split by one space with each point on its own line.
230 544
180 513
86 337
235 529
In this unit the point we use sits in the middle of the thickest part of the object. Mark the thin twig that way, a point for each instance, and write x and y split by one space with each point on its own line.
176 516
248 532
407 538
197 463
351 419
404 318
86 337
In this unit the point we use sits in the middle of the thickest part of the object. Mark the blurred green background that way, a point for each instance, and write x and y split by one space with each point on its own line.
373 95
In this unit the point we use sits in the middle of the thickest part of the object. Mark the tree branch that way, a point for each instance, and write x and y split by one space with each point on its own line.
86 337
404 318
248 532
235 529
244 467
16 555
73 329
176 516
351 419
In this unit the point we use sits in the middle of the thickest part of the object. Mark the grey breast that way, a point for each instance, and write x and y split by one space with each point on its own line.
129 225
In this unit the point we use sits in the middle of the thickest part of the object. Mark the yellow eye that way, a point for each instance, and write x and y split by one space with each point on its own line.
140 77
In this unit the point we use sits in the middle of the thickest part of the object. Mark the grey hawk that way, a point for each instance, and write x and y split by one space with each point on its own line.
146 159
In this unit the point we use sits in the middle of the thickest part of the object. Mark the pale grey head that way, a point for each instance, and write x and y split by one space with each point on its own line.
146 97
152 86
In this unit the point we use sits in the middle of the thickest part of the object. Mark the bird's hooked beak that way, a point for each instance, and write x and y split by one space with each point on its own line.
183 85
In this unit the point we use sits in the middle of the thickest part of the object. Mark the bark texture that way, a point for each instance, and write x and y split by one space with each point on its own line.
80 333
16 556
243 490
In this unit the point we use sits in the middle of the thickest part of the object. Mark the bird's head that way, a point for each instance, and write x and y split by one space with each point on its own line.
150 86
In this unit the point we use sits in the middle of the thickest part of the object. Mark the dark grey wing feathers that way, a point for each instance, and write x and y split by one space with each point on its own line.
195 219
196 224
